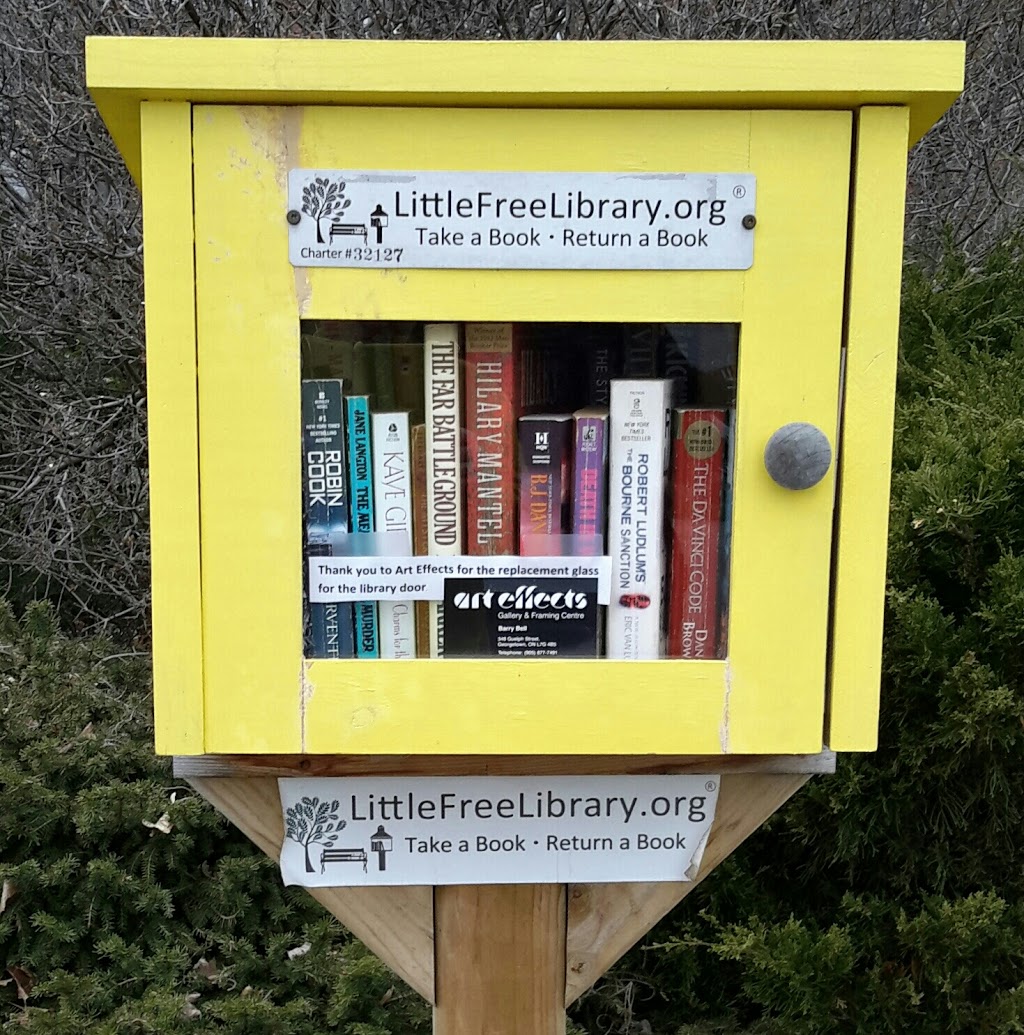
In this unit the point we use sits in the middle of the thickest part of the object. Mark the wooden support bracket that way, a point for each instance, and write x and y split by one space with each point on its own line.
395 923
605 920
509 958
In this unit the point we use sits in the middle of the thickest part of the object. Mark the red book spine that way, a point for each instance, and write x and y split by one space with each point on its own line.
698 474
492 408
545 446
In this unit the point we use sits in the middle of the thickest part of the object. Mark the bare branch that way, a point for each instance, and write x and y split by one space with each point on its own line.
73 489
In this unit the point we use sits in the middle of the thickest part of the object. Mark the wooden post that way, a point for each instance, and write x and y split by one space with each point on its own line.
500 959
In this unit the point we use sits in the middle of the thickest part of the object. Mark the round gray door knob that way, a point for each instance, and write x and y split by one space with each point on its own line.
798 456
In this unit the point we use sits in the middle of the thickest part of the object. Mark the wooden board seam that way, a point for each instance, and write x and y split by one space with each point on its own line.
187 766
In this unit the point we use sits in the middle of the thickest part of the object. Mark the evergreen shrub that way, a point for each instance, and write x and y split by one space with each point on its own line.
131 906
887 898
890 897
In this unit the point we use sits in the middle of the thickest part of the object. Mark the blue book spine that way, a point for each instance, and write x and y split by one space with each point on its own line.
329 630
360 467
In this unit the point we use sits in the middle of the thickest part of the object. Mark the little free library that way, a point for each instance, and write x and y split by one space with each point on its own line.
519 424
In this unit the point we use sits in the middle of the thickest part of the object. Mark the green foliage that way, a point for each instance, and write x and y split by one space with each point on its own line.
951 967
131 905
890 897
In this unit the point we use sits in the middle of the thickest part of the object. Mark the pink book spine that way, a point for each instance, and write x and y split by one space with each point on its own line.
590 483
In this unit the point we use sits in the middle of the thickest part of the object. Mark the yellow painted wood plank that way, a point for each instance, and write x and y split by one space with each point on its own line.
872 329
789 358
258 700
249 409
769 698
641 296
925 76
514 295
173 435
506 707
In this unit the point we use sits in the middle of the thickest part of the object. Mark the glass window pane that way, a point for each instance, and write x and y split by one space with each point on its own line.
517 490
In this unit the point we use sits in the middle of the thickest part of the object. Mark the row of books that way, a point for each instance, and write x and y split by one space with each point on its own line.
564 366
477 464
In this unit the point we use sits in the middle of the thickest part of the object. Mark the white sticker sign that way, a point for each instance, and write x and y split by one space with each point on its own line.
521 220
347 579
360 831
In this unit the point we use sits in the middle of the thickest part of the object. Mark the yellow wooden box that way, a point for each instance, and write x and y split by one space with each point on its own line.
209 130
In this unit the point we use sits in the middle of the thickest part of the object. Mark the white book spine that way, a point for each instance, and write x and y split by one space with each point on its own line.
392 504
444 456
638 462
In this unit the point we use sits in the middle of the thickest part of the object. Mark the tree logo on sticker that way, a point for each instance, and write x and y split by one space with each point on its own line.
324 199
311 821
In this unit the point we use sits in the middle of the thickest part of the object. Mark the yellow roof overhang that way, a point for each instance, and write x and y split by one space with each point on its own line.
122 72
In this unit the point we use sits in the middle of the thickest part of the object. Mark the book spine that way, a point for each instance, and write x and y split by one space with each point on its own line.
393 517
326 505
364 381
725 534
603 356
712 362
639 352
531 376
698 450
361 482
637 469
544 454
407 364
384 377
419 527
444 456
673 363
590 484
492 381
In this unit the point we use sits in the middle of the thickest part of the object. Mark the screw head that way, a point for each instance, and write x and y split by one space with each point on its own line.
294 216
749 222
